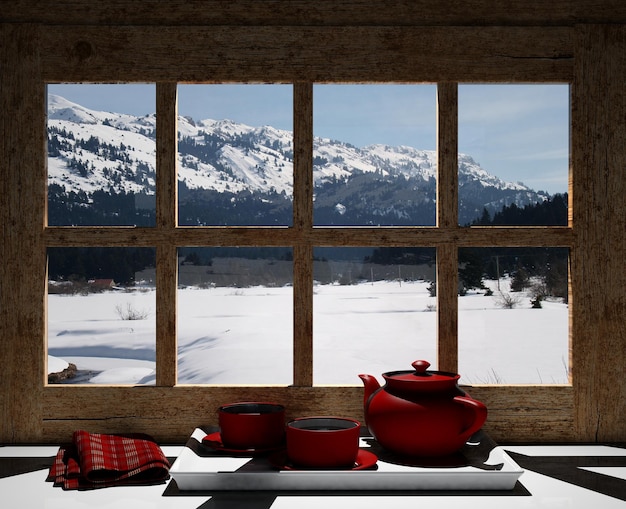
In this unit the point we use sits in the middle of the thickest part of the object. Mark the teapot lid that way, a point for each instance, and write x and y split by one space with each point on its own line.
421 379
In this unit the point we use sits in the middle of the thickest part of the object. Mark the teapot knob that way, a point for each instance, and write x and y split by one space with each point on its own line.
421 367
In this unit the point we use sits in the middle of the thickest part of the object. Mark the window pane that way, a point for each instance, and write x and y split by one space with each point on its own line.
235 153
514 154
374 155
235 316
513 315
101 155
373 311
101 315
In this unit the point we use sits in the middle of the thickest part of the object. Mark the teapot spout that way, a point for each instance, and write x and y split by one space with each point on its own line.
371 386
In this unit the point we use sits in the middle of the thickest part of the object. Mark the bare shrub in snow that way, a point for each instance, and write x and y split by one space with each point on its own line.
506 300
130 312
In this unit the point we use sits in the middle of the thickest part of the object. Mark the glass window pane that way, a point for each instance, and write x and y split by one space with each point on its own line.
235 154
101 316
235 323
374 154
514 154
101 155
513 315
373 311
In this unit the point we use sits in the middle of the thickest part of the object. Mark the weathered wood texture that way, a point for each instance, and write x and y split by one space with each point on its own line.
529 414
447 155
599 218
447 217
516 413
22 267
320 236
320 12
447 308
320 54
303 222
167 220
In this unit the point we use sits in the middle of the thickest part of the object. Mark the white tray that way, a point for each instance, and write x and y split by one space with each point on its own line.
199 467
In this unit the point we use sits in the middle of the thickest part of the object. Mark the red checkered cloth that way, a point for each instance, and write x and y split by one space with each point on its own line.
94 460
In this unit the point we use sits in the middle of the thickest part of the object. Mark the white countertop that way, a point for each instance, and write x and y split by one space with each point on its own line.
600 468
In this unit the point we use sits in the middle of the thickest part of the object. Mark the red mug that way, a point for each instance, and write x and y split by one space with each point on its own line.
252 425
323 442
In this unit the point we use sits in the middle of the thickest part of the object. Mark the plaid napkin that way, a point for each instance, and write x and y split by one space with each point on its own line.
95 460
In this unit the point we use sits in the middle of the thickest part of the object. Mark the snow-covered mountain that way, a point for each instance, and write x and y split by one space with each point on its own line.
226 164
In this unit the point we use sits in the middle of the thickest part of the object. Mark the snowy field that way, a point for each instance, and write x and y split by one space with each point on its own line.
244 335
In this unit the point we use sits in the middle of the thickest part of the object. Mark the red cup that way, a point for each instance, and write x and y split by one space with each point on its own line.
252 425
323 442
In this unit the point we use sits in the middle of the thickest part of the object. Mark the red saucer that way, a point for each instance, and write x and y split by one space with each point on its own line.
214 440
364 460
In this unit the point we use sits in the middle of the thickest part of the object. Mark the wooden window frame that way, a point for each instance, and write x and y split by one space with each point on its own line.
33 55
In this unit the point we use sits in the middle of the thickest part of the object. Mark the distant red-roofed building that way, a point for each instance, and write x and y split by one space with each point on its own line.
102 283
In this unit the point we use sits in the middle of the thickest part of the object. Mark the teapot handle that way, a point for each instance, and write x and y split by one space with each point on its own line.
479 411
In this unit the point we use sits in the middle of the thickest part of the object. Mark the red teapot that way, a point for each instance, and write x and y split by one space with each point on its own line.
420 412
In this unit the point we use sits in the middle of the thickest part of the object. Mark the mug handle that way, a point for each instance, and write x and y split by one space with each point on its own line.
479 411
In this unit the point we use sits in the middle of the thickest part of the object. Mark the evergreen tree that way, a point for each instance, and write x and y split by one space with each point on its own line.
520 280
471 268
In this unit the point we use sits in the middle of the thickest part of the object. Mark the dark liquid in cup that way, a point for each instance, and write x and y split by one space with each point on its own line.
324 428
252 408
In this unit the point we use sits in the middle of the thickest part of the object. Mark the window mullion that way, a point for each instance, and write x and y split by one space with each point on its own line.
166 220
447 155
447 308
303 224
447 218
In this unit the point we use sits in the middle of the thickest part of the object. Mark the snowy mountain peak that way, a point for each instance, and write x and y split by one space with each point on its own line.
60 108
114 152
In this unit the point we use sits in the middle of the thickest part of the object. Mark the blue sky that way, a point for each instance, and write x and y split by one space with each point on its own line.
516 132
